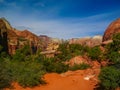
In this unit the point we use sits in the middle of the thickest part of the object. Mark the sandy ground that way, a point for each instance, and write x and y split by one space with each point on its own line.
71 80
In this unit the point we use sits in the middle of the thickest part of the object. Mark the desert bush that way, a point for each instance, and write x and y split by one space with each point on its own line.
76 49
70 50
60 67
109 78
113 49
22 54
95 53
28 73
52 65
116 42
64 52
5 75
114 57
81 66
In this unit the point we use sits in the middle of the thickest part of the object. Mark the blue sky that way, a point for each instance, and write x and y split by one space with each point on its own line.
61 18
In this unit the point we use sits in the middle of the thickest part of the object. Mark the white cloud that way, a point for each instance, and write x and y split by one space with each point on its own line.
61 28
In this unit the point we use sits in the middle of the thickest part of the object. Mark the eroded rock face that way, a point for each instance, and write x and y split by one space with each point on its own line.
12 39
45 40
3 36
27 35
113 28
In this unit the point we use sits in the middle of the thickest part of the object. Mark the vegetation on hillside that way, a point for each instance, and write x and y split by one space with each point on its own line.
21 68
95 53
28 69
67 51
81 66
110 75
110 78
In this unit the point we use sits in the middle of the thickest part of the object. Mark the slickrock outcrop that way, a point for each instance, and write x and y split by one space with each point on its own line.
113 28
49 45
77 60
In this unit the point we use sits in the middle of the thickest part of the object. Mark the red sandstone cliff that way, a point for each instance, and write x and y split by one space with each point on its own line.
113 28
16 38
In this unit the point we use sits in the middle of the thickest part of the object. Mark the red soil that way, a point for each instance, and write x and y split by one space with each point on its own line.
71 80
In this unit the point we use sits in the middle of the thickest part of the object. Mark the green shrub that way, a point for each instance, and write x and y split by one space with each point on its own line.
95 53
22 54
60 67
5 76
70 50
79 67
76 49
113 49
109 78
116 42
113 57
51 65
24 70
28 73
64 52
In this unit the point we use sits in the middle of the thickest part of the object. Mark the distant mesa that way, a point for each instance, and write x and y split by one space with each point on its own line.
113 28
88 41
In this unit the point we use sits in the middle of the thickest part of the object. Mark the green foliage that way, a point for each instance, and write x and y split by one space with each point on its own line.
116 42
113 49
59 67
22 68
70 50
52 65
79 67
65 53
114 57
5 76
109 78
77 49
22 54
95 53
28 73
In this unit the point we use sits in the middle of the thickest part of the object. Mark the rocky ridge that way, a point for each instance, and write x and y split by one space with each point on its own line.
16 39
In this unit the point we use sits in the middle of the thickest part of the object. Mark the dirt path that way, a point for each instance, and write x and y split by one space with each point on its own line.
66 81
